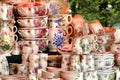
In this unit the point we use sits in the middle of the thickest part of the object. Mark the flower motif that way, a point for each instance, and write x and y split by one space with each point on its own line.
58 39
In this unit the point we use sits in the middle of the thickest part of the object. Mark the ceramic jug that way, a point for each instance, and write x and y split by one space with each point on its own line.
7 36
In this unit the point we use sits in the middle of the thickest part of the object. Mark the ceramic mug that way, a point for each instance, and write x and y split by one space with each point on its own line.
65 19
67 30
6 11
96 27
54 22
115 48
93 38
32 22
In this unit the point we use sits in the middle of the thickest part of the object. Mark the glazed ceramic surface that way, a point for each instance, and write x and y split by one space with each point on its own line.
30 9
6 11
58 7
28 33
7 36
32 22
55 37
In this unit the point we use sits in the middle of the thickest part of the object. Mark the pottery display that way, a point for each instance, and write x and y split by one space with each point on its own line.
86 51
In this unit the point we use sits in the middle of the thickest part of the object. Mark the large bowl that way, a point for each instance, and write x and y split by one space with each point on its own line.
32 9
41 43
32 22
28 33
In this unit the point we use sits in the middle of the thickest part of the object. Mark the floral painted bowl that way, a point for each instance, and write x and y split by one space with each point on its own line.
28 33
41 43
30 9
32 22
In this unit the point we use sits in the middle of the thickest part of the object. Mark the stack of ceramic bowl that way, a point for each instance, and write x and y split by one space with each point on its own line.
32 23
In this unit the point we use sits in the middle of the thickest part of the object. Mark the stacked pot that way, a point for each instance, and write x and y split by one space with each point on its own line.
32 23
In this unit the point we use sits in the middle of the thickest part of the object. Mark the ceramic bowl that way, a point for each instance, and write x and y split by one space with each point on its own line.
32 22
41 43
30 9
33 33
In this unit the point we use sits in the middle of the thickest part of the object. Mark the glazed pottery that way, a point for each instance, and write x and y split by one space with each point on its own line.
90 75
54 22
32 22
115 48
43 58
65 63
75 63
33 33
6 11
106 75
22 69
41 43
31 9
55 37
96 27
78 24
65 19
47 74
54 70
87 62
58 7
7 36
4 67
32 75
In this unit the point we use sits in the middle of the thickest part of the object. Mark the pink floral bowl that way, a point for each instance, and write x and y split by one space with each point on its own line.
28 33
41 43
30 9
32 22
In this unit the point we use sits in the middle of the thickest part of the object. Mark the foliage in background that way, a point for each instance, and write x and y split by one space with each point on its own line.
106 11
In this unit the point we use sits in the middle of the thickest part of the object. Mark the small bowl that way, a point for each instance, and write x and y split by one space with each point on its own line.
33 33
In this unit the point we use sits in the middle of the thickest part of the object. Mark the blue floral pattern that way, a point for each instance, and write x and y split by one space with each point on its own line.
58 39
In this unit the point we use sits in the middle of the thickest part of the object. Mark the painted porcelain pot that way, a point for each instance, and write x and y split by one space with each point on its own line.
55 37
7 36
